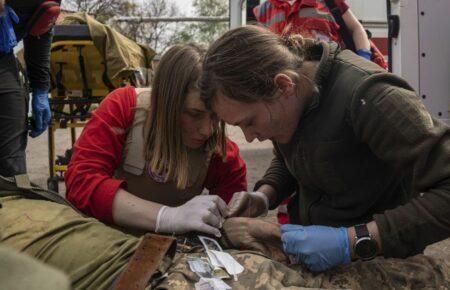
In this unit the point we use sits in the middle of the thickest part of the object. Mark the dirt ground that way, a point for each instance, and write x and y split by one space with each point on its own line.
257 156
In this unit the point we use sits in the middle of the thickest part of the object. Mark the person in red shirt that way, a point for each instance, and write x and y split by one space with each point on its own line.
145 157
313 19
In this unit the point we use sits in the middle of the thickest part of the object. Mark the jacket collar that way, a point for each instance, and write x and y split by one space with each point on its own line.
325 52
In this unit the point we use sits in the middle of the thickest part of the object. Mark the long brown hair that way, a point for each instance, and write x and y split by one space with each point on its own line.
177 73
243 62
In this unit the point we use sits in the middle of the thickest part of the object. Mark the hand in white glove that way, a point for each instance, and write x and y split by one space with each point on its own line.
203 213
248 204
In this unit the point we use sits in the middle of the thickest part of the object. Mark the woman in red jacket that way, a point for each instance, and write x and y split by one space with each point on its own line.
145 157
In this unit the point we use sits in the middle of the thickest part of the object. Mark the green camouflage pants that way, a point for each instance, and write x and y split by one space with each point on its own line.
93 255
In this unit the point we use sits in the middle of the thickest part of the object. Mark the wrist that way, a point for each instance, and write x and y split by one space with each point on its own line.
160 220
351 242
364 52
269 192
374 235
264 198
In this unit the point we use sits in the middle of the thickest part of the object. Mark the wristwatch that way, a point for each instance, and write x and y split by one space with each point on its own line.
365 248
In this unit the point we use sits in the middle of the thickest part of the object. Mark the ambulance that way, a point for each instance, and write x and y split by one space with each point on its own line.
412 34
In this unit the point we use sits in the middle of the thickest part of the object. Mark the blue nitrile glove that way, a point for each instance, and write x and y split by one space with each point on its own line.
364 52
7 35
41 112
318 247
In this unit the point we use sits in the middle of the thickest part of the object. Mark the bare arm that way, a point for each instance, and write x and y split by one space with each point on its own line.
203 213
356 30
129 210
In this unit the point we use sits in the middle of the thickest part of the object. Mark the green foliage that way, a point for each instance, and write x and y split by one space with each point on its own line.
102 10
206 32
159 35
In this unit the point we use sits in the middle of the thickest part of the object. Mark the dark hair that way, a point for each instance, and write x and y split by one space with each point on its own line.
243 62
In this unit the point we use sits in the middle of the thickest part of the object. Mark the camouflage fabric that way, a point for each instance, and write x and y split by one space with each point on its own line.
418 272
93 255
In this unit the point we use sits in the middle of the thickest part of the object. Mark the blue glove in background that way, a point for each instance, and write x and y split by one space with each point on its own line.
7 35
364 52
41 112
319 248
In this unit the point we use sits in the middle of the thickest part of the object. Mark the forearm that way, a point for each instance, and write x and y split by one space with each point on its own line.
408 229
360 38
357 31
399 130
37 58
131 211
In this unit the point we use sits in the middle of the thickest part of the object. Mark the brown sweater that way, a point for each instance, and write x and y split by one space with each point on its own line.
366 149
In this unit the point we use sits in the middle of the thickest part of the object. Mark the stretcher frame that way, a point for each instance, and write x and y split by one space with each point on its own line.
71 101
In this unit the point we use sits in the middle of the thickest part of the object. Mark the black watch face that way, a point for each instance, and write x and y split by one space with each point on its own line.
366 248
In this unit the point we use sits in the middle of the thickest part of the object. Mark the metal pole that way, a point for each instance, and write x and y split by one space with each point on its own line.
171 19
236 13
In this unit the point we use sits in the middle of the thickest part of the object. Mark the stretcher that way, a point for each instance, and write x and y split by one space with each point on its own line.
79 81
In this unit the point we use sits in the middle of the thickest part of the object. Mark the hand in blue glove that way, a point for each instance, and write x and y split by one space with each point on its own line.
364 52
7 35
318 247
41 112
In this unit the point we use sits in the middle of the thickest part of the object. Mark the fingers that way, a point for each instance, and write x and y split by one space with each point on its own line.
211 211
207 229
238 204
222 206
265 231
277 254
212 219
32 134
218 207
35 133
256 246
290 227
48 116
42 120
213 201
293 241
38 123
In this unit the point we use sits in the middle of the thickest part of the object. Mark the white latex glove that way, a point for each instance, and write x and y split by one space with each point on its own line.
248 204
203 213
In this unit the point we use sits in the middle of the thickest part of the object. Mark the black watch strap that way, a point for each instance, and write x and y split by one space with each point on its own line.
361 231
365 247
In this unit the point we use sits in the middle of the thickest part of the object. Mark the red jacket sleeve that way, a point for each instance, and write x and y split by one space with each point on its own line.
342 6
226 178
97 153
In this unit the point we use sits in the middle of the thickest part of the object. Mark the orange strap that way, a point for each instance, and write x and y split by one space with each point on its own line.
145 262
